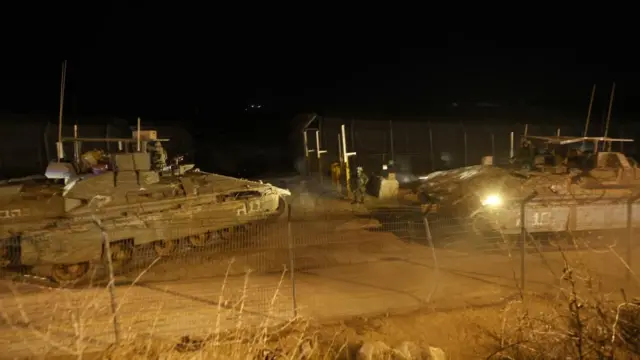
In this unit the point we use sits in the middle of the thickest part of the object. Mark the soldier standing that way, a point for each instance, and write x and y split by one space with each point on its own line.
336 169
159 156
361 186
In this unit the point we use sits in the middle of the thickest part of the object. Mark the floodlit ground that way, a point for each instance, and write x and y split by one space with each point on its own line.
362 282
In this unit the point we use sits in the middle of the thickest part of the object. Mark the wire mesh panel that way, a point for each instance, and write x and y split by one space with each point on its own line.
448 145
412 141
479 143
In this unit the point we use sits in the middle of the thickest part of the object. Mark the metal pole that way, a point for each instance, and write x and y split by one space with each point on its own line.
352 131
431 155
292 264
138 136
511 146
613 92
319 155
345 156
108 135
393 155
340 157
629 258
340 150
111 286
523 242
306 152
586 125
523 237
493 145
465 149
46 143
346 161
76 150
63 81
427 229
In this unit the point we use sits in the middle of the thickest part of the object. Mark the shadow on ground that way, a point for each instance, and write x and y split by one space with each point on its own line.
410 224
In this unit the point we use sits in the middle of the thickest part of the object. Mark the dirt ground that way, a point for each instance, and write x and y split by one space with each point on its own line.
467 333
452 297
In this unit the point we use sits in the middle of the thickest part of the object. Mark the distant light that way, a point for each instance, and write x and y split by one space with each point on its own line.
492 201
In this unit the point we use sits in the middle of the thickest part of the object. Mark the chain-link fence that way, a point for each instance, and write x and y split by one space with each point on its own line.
427 145
323 259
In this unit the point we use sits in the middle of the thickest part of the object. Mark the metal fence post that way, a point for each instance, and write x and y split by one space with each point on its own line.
466 160
112 282
629 258
292 264
431 154
523 237
436 274
493 145
427 230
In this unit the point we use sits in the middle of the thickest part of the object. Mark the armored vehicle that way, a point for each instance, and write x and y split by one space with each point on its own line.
566 185
129 200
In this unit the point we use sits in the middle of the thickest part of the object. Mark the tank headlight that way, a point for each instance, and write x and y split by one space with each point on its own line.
492 201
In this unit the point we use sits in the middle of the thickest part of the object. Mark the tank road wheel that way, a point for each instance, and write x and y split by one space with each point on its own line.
280 213
164 247
69 274
121 254
228 233
203 239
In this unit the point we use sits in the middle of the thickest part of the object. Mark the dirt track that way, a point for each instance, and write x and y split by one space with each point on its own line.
363 272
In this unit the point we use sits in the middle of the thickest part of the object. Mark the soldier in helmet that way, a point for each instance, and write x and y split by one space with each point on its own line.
336 169
159 156
526 154
361 186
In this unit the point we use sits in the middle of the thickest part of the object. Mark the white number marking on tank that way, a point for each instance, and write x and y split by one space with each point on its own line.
13 213
253 206
541 219
538 219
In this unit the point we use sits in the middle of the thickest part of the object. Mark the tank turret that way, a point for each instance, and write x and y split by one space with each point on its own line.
134 198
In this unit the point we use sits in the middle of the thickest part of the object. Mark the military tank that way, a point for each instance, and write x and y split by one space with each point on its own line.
568 186
58 227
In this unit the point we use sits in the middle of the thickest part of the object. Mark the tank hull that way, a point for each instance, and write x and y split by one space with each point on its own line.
562 217
554 203
43 232
79 238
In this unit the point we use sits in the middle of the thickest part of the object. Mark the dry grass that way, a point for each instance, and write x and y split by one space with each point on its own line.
81 325
583 321
68 330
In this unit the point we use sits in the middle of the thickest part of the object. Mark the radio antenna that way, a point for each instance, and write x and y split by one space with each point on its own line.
63 82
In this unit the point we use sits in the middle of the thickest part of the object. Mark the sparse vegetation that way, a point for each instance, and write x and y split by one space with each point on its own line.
583 321
581 318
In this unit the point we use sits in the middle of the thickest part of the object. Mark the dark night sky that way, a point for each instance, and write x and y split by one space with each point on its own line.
185 63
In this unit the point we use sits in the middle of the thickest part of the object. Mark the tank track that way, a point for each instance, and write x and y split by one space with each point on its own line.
123 253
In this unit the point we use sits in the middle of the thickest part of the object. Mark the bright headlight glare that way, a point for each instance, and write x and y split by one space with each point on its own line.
492 200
